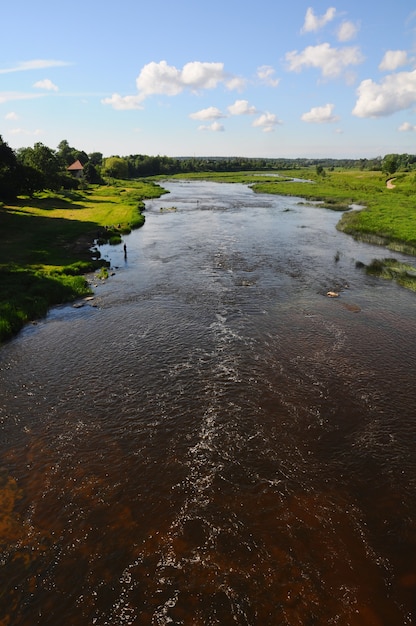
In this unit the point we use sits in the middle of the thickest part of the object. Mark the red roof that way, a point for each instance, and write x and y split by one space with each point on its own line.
77 165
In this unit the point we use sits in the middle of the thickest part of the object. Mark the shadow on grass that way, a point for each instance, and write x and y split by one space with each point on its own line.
42 263
74 202
27 294
29 239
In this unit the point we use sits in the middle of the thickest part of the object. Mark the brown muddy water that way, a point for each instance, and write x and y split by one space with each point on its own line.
216 442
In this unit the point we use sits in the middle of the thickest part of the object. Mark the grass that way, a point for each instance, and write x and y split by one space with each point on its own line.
388 216
391 269
45 245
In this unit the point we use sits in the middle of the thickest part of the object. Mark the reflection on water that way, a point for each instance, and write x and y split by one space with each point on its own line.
216 442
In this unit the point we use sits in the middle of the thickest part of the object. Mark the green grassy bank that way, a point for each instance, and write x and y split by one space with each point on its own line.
45 245
388 216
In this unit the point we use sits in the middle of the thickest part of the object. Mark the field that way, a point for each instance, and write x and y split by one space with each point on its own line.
45 245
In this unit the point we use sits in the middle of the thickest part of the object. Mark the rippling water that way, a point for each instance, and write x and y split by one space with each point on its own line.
215 441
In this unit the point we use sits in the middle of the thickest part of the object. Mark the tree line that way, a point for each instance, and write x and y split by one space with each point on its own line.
28 170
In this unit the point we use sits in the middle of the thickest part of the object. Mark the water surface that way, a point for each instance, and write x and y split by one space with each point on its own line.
215 441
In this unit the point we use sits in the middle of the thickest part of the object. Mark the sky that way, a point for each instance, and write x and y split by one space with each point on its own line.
264 79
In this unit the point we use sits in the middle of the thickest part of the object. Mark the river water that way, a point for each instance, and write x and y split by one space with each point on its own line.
216 441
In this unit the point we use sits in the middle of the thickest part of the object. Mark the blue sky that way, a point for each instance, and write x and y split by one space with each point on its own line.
218 78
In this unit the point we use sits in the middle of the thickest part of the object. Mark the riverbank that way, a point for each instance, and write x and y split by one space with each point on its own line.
46 245
46 241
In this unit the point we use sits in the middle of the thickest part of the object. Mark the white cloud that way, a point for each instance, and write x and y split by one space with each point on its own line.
23 131
36 64
320 115
235 83
395 92
211 113
347 31
11 116
123 103
163 79
216 127
267 122
331 61
266 75
392 60
46 84
314 22
242 107
406 127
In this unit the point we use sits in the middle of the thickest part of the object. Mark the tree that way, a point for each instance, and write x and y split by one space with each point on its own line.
65 153
9 180
81 156
390 163
43 159
31 180
96 158
91 174
116 167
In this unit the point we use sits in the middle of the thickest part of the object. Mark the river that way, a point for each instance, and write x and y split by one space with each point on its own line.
212 440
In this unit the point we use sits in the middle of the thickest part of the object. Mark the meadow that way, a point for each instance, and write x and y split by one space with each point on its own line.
46 245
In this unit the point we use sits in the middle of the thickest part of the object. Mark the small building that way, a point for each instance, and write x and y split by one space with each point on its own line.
76 169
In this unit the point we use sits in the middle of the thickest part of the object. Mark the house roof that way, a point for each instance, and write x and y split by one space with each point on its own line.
76 166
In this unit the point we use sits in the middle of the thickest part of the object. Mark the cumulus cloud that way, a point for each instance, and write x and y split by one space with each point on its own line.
46 84
347 31
242 107
11 116
406 127
163 79
35 64
330 61
235 83
215 127
267 122
123 103
211 113
266 75
320 115
395 92
392 60
314 22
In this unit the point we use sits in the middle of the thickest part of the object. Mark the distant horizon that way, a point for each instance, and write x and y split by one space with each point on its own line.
316 81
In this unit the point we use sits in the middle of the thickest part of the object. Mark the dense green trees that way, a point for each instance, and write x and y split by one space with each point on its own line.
45 161
392 163
36 168
8 172
116 167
